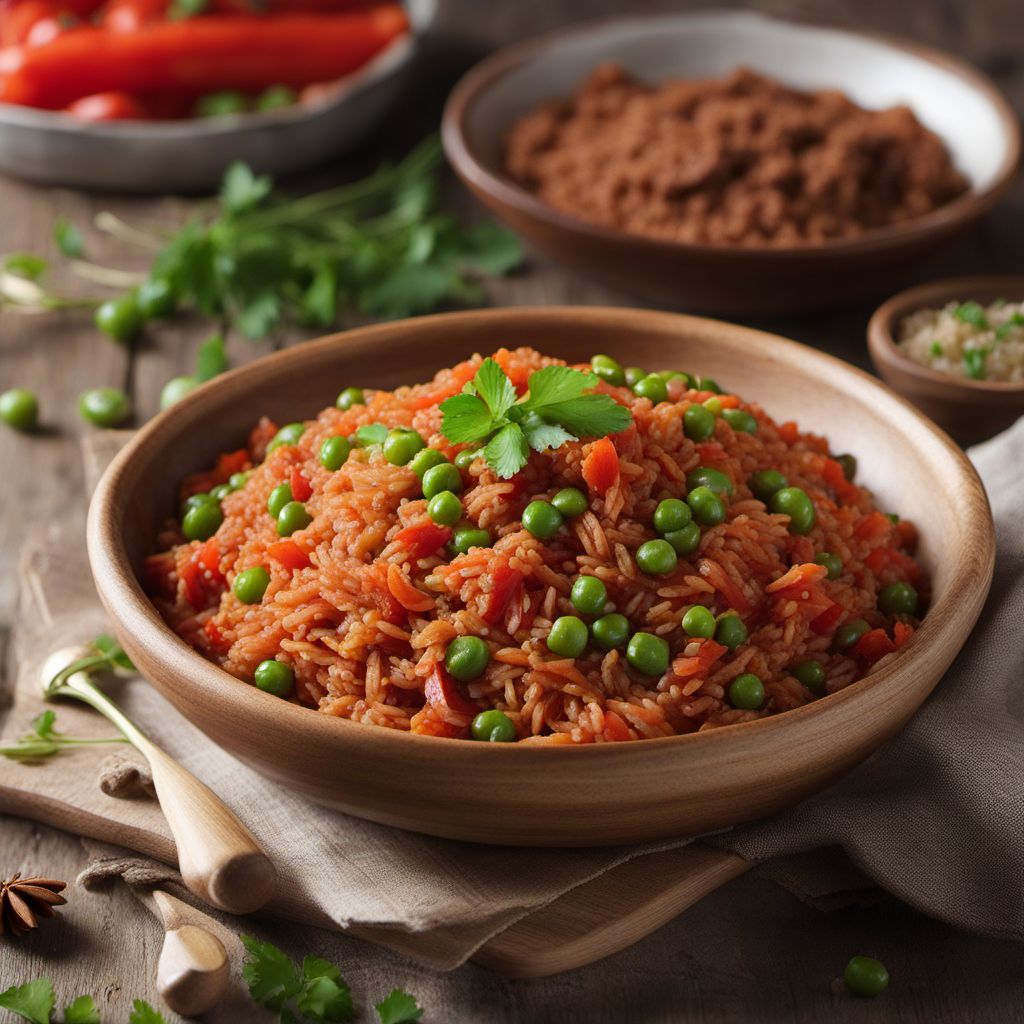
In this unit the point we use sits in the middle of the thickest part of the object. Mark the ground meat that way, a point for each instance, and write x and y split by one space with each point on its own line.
739 160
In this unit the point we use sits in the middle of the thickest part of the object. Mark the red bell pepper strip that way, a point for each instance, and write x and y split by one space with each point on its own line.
601 466
288 554
505 582
302 489
198 56
108 106
422 539
440 688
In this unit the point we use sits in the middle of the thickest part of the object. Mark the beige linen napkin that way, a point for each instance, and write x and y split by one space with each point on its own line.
936 816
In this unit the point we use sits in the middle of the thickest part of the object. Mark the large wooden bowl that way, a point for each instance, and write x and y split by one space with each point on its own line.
535 795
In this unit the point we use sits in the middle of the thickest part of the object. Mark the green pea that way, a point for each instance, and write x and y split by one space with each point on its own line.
202 521
467 537
222 104
19 409
865 976
445 509
740 420
275 677
589 595
707 507
156 298
849 633
648 654
812 675
401 445
467 657
176 389
568 636
104 407
764 483
350 397
426 458
730 631
466 458
698 621
542 519
291 518
279 497
656 557
833 563
220 492
698 423
289 434
686 540
493 726
708 384
251 584
333 452
652 387
634 374
441 478
849 464
746 692
238 480
795 503
608 369
671 515
371 433
119 318
610 631
670 375
193 500
713 405
704 476
898 599
275 98
571 502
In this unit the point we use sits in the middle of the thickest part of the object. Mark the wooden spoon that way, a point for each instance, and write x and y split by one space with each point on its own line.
219 859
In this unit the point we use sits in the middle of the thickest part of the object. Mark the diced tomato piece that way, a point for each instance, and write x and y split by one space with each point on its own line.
873 645
834 476
789 432
798 576
232 462
260 436
422 539
615 727
440 688
881 559
699 664
601 466
288 554
505 582
302 489
202 574
828 620
901 633
216 638
906 535
519 375
873 527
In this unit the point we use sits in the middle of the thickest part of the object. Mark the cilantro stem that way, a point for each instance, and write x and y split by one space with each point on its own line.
110 276
112 225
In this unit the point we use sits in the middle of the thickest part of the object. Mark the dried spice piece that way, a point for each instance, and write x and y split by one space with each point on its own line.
24 900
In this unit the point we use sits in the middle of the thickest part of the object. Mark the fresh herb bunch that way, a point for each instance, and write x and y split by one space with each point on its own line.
555 409
35 1001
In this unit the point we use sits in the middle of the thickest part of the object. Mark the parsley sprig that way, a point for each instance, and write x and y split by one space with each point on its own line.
555 409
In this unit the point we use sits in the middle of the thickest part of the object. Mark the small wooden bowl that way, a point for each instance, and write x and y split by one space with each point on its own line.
970 410
522 794
949 96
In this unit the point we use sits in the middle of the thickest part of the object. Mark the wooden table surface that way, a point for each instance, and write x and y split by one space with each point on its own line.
751 951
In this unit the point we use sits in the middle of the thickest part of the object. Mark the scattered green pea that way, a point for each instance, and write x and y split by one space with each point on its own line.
648 654
898 599
634 374
740 420
812 675
251 584
568 636
832 563
202 521
424 459
203 498
764 483
609 370
698 621
401 445
589 595
289 434
467 537
652 387
220 492
275 98
444 477
104 407
708 384
686 540
713 405
19 409
656 557
705 476
794 502
849 633
671 515
746 692
707 507
119 318
350 397
865 976
542 519
466 458
571 502
730 631
444 508
333 452
698 423
221 104
279 497
176 389
493 726
291 518
238 480
610 630
467 657
274 677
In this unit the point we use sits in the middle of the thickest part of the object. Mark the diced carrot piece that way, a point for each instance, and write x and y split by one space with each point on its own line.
405 593
422 539
288 554
901 633
505 582
789 432
710 651
615 728
873 645
798 576
601 466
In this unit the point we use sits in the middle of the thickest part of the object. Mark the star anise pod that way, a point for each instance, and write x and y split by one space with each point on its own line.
24 900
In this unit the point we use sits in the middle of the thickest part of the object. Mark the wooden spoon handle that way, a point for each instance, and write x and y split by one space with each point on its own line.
219 859
193 972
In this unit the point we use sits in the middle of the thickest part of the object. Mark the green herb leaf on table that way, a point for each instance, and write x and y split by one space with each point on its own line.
242 190
143 1013
44 741
25 264
324 995
318 993
113 652
82 1011
270 975
398 1008
69 239
33 1001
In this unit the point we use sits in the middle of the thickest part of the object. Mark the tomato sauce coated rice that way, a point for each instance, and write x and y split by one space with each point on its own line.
363 602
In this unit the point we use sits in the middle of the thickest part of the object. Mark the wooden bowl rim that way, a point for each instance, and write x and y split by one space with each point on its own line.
120 588
882 343
501 188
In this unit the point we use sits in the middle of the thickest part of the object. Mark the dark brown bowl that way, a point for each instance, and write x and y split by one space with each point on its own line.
970 410
949 96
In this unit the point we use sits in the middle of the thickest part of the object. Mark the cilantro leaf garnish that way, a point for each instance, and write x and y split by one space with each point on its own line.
398 1008
82 1011
33 1000
317 992
68 238
558 407
143 1013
